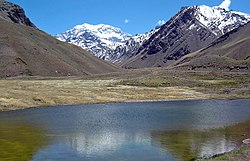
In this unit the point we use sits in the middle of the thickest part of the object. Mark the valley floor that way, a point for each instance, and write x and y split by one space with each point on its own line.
127 86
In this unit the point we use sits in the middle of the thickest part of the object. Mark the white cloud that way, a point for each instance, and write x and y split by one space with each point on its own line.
160 22
126 21
225 4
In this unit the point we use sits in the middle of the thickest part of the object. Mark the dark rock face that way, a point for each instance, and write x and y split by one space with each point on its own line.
14 13
130 48
191 29
180 36
178 54
122 53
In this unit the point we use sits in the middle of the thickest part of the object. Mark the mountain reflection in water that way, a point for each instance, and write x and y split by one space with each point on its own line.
175 130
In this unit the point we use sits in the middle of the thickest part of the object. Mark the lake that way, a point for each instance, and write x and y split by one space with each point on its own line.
172 130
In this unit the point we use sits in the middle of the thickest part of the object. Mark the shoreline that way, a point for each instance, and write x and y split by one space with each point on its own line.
131 101
154 86
241 153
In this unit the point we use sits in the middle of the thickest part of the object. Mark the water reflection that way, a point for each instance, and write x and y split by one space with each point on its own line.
101 143
186 144
19 142
190 144
104 146
178 130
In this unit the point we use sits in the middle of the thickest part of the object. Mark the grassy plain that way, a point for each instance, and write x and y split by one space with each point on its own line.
133 85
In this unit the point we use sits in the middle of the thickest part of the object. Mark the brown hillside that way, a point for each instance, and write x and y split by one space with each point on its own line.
25 50
229 52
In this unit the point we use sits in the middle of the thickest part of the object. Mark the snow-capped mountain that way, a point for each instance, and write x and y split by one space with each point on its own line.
131 46
104 41
191 29
219 20
100 39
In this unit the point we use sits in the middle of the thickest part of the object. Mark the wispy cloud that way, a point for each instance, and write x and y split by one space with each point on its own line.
225 4
160 23
126 21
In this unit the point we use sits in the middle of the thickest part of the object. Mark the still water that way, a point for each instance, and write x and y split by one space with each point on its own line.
175 130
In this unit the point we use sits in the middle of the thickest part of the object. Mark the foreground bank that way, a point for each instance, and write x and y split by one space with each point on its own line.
241 154
148 85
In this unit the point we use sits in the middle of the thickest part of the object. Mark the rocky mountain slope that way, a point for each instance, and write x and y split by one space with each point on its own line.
230 52
14 13
100 39
130 47
25 50
104 41
191 29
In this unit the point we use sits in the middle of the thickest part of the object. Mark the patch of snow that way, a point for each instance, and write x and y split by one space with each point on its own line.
192 27
219 20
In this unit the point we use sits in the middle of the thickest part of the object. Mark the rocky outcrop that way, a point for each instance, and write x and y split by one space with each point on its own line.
14 13
190 30
180 36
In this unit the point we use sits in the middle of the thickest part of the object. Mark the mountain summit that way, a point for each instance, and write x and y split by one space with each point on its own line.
104 41
99 39
219 20
191 29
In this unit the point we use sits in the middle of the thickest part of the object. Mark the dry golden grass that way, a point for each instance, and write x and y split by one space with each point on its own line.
19 94
160 85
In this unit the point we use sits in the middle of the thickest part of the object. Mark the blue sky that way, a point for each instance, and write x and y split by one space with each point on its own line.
132 16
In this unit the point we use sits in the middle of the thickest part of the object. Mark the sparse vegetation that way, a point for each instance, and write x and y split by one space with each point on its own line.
241 154
139 85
